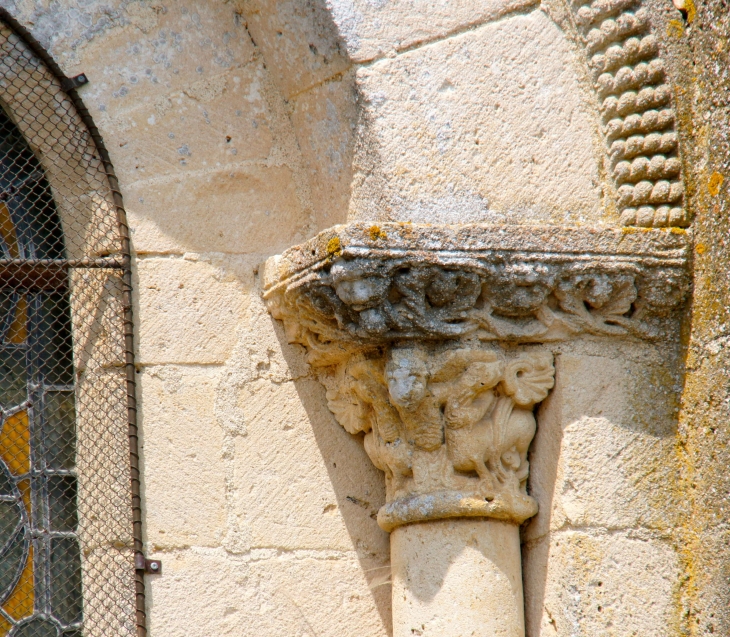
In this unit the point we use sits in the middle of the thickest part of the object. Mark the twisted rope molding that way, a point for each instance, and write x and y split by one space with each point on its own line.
637 111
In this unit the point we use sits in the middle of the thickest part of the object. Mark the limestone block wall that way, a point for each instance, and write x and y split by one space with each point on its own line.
602 555
262 526
465 113
240 128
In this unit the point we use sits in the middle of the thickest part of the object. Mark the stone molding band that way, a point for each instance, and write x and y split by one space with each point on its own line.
379 284
637 110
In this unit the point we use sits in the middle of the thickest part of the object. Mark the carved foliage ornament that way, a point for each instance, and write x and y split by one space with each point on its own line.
351 286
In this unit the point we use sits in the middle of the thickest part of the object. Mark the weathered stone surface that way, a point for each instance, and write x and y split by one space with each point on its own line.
378 284
98 621
300 481
600 584
299 40
177 322
450 423
633 493
605 452
324 120
184 496
455 577
143 46
486 126
216 121
450 428
266 593
636 103
375 29
252 209
705 415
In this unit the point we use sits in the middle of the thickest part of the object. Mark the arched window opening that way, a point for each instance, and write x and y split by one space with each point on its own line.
40 567
70 523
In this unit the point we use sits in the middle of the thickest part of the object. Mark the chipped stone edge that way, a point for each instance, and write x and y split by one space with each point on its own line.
667 245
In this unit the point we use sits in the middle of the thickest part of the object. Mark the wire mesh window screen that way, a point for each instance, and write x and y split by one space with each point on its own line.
67 545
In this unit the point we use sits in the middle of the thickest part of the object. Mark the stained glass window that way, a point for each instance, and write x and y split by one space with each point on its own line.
40 561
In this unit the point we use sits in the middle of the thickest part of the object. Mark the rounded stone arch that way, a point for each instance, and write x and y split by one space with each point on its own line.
33 98
328 73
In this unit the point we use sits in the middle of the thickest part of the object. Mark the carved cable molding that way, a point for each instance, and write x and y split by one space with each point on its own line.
408 324
638 116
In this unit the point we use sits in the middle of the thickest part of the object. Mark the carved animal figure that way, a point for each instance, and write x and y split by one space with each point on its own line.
393 458
384 442
496 445
477 447
520 431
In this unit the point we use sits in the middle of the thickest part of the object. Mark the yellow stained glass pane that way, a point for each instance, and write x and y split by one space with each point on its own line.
4 626
15 443
7 231
18 331
20 603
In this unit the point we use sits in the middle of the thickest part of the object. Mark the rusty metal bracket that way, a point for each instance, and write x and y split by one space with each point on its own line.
150 567
74 82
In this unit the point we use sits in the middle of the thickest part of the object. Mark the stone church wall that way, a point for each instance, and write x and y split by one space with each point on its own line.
238 129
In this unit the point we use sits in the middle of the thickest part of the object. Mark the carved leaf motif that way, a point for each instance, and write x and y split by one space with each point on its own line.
529 378
623 295
520 289
348 411
451 282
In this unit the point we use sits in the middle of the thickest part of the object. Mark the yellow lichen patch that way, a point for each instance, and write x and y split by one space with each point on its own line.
689 7
14 443
377 233
20 603
678 230
701 249
715 183
636 229
675 29
334 247
18 331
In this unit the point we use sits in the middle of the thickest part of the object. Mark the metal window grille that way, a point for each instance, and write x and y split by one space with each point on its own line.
70 521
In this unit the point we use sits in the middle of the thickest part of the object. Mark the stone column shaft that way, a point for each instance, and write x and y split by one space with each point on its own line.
457 578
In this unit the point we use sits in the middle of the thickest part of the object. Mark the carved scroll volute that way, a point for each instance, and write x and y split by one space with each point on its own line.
449 429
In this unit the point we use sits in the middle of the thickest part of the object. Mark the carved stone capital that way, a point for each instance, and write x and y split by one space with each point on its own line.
408 325
449 427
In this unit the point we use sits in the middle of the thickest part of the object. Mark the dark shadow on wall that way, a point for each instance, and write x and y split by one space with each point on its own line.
308 62
308 65
358 486
544 457
232 128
